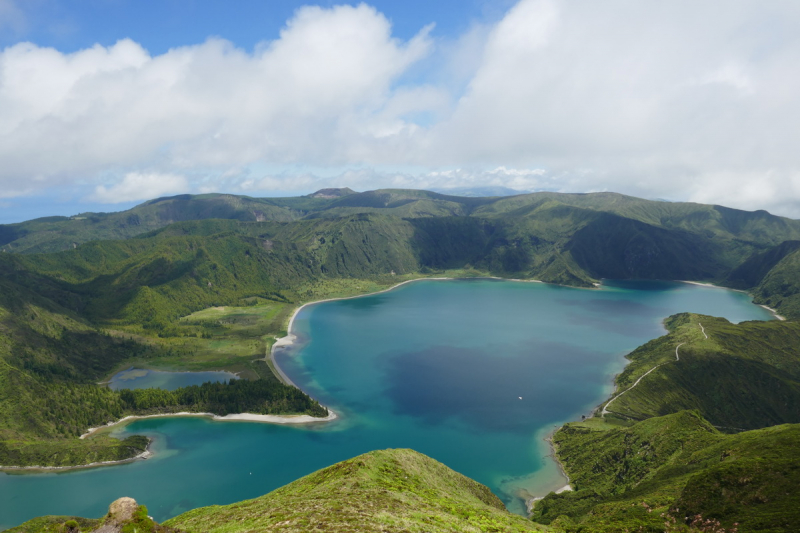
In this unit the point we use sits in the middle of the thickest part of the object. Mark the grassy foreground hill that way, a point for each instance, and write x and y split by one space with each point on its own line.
381 491
389 490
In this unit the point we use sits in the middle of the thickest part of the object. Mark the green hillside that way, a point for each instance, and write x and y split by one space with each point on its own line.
209 281
51 234
675 467
389 490
55 344
742 376
73 317
572 239
673 444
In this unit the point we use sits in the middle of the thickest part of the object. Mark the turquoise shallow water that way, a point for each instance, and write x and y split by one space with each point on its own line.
438 366
136 378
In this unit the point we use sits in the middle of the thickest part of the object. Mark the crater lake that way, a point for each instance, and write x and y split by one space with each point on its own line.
474 373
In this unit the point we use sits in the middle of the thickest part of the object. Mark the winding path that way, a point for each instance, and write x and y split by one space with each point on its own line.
605 408
677 358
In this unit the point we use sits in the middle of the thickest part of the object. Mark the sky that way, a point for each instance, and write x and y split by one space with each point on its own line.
108 103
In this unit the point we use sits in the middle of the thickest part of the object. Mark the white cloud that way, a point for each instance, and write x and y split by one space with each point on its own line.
137 186
679 99
369 178
303 97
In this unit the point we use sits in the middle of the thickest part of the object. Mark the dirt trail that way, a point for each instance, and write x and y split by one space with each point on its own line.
677 358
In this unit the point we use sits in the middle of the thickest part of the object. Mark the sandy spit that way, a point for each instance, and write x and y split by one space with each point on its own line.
239 417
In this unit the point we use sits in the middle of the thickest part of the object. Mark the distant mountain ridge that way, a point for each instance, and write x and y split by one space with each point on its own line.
61 233
572 239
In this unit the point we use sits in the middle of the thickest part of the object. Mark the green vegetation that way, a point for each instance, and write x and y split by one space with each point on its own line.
260 396
62 332
661 452
70 452
124 516
743 376
382 491
389 490
208 282
56 524
677 465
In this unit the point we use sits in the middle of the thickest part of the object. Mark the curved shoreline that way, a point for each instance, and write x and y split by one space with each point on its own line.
289 340
147 453
290 337
711 285
236 417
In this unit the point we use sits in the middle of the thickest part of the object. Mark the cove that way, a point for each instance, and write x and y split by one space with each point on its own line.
437 366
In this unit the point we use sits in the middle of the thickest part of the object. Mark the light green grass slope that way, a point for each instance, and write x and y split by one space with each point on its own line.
629 479
386 491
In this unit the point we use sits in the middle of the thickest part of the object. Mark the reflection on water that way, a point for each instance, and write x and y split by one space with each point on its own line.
137 378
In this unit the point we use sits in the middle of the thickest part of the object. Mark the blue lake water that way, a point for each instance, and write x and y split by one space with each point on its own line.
137 378
437 366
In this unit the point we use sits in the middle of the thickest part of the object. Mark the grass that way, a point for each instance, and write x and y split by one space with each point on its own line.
658 456
628 478
388 490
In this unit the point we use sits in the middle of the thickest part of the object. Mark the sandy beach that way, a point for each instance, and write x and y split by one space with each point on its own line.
531 500
771 310
238 417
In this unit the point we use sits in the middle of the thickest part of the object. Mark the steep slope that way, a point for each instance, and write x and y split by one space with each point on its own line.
772 277
51 357
655 454
709 220
381 491
676 467
742 376
780 287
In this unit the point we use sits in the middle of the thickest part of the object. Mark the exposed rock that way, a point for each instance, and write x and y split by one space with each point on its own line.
122 510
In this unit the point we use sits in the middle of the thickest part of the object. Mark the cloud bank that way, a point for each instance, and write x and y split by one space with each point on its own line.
674 99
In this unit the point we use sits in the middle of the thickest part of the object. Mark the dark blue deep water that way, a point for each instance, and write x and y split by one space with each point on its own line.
473 373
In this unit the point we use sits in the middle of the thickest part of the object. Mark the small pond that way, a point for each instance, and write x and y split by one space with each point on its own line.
138 378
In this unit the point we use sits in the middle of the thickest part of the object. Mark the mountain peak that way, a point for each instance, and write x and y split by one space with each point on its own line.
332 193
